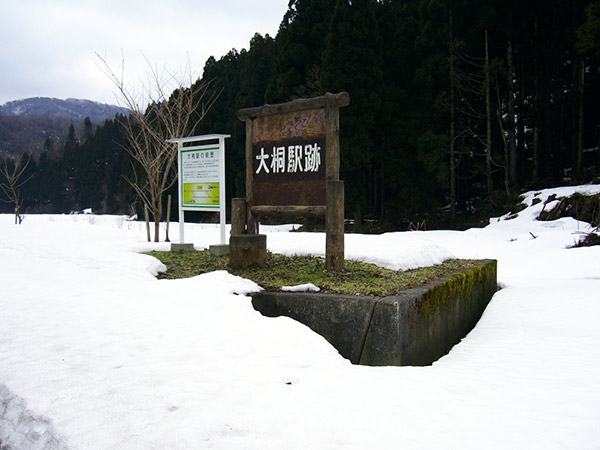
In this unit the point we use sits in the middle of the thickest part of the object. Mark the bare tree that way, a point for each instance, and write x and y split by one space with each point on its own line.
467 81
471 80
173 110
13 183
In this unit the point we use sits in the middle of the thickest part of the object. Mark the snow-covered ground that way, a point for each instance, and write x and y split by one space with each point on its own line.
95 353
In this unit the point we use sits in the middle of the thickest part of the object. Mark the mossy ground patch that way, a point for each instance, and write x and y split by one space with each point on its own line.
358 278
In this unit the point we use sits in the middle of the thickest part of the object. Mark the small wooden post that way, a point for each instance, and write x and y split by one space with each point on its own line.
147 222
334 244
238 216
252 221
168 217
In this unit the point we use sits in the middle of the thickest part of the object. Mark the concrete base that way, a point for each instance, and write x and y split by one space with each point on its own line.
412 329
182 247
216 251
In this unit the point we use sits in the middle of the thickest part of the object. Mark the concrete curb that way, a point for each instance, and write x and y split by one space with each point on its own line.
414 328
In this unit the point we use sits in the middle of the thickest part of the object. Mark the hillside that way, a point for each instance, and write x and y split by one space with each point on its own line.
54 107
37 124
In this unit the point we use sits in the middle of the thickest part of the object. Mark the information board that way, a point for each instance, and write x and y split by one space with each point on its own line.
200 178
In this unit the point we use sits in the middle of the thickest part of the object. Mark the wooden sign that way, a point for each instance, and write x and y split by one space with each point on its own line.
289 172
292 159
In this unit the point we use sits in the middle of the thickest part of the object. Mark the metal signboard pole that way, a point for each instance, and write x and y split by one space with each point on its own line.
222 202
179 189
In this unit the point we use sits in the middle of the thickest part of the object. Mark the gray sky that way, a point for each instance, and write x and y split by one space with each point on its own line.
48 47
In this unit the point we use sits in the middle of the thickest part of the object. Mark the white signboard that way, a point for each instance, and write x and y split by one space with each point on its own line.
201 178
200 185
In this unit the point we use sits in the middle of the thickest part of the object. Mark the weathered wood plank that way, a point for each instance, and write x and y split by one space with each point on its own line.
249 163
332 152
335 100
303 211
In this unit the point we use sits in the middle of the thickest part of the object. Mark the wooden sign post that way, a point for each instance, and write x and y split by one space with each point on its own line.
293 166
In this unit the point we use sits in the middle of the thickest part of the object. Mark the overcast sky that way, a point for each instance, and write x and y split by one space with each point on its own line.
48 47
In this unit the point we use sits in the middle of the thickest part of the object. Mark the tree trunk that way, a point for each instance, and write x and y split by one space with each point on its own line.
505 145
521 161
168 218
580 121
147 219
488 113
536 154
512 135
382 198
157 216
358 217
452 165
536 172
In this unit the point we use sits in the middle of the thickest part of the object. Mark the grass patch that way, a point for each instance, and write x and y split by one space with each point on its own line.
358 278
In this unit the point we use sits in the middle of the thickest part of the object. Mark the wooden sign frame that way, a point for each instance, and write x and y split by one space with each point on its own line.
302 121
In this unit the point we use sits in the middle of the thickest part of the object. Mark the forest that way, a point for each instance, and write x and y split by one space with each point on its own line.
456 107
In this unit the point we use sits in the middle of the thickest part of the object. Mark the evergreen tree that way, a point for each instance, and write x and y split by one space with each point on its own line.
352 63
87 128
300 45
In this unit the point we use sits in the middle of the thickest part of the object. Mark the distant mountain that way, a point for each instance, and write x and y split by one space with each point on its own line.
54 107
36 124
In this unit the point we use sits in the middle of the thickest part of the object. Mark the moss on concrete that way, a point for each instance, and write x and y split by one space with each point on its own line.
461 285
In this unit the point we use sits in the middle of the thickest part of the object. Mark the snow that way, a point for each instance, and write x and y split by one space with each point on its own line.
308 287
96 353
